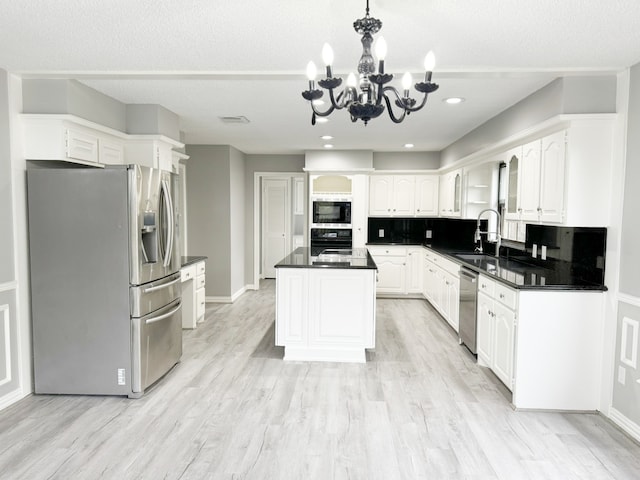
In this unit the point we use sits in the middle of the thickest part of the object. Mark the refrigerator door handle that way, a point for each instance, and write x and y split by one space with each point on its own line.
159 318
166 197
160 287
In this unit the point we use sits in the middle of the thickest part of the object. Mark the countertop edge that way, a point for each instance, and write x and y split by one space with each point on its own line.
191 259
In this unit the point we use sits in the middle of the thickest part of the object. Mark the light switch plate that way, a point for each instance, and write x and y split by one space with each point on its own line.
429 233
381 232
543 252
534 250
622 374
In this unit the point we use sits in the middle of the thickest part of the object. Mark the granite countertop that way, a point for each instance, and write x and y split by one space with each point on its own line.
191 259
357 258
519 274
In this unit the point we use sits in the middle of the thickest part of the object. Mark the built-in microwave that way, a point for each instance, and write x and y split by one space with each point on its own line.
331 212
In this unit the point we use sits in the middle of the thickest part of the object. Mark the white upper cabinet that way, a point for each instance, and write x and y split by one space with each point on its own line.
380 195
403 195
451 194
426 198
552 181
72 139
536 180
529 182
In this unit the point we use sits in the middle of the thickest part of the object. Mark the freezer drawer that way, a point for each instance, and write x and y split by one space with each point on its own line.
156 345
151 296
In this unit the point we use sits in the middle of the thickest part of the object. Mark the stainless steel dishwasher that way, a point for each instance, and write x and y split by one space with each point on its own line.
468 308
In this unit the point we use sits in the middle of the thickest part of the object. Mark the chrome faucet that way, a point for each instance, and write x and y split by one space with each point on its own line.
477 236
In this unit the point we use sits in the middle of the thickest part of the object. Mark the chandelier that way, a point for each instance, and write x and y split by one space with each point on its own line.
366 102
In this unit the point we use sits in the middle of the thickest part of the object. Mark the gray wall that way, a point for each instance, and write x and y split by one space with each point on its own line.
152 119
406 160
593 94
630 237
74 98
262 163
208 200
237 221
626 398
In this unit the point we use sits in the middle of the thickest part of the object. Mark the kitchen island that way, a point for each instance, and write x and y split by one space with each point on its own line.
326 305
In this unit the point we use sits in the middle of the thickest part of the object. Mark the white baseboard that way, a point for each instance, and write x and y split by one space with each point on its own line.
625 423
230 299
12 398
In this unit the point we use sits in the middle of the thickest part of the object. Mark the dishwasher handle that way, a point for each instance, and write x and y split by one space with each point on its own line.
469 275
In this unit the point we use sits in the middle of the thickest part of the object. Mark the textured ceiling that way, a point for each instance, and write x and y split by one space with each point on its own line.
206 59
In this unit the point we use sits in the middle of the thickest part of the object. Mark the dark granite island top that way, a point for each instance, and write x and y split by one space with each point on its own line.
357 258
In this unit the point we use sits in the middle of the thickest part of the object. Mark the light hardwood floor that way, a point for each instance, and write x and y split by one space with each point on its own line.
420 408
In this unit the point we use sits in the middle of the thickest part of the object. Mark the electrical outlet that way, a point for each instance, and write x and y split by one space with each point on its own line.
381 232
543 252
534 250
429 234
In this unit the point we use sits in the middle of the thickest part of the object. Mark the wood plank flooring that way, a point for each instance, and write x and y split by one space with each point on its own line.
420 408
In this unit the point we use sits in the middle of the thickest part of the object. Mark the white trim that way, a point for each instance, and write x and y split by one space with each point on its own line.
626 424
629 358
629 299
5 324
257 242
13 397
238 294
218 299
12 285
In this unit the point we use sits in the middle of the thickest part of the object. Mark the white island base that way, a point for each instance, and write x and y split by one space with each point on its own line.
325 314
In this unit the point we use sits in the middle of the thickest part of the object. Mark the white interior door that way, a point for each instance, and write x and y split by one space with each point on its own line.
276 214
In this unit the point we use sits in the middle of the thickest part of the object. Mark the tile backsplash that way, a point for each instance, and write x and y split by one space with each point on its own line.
579 250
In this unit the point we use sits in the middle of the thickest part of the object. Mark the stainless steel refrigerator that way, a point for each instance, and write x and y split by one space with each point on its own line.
105 278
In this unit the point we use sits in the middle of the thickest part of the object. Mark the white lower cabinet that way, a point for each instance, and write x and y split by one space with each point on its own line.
392 267
193 294
441 286
414 270
496 328
544 345
399 269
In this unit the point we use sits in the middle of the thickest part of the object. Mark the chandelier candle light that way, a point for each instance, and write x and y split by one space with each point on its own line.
367 103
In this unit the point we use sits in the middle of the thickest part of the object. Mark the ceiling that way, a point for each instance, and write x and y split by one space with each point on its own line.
208 59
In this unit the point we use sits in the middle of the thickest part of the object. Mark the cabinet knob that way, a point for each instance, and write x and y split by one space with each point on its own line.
502 295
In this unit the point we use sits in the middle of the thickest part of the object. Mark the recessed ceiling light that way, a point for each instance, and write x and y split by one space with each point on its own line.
321 120
326 137
328 145
409 145
454 100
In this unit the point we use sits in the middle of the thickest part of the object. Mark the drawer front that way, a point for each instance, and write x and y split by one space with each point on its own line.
200 281
505 295
188 273
200 303
485 285
200 268
387 251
